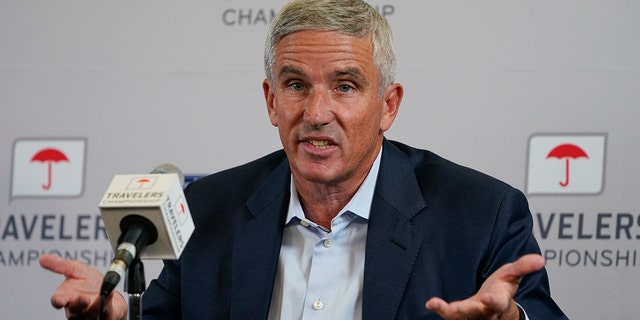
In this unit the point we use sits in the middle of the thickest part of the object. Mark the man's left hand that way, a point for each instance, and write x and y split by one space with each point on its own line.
494 300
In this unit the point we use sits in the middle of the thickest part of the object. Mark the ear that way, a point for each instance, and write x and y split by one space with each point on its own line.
392 99
269 99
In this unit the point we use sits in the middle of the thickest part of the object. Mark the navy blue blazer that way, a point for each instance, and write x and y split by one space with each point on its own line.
435 229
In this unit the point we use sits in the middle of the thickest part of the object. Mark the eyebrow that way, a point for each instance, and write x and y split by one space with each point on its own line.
350 72
290 70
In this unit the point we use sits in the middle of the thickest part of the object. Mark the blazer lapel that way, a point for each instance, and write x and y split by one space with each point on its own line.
392 241
256 247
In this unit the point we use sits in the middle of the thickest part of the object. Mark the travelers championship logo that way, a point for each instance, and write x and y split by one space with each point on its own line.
48 167
566 164
181 206
147 183
142 183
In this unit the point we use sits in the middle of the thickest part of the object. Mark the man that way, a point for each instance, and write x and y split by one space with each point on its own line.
342 223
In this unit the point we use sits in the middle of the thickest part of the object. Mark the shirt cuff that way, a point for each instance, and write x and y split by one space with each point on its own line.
523 314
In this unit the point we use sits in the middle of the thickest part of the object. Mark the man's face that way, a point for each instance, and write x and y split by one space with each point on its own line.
324 101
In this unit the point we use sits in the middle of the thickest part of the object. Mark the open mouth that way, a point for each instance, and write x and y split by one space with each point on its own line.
319 143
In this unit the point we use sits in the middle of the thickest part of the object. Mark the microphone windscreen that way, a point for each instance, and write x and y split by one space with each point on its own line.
169 168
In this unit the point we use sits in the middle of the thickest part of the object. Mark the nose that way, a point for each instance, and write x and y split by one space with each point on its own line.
318 112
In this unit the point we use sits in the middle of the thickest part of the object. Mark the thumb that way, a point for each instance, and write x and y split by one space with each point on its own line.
525 265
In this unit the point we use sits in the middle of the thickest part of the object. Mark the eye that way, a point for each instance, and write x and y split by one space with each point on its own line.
345 88
296 86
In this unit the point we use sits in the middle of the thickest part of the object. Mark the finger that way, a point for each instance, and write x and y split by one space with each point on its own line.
86 307
77 308
499 297
58 300
68 268
526 264
435 304
530 263
54 263
441 308
62 266
503 308
67 295
495 302
455 310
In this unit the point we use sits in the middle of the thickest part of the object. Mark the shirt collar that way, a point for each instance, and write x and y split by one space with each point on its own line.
360 204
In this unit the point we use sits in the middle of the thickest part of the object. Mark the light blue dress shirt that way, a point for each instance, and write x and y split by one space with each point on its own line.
320 271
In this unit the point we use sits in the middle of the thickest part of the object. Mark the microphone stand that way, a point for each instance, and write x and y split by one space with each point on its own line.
135 285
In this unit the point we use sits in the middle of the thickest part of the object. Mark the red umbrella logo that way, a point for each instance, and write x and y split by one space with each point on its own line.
567 151
142 182
49 156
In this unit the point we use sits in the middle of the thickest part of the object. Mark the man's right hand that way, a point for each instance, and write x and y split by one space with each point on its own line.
79 293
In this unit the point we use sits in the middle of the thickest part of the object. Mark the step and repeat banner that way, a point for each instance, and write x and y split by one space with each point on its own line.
544 95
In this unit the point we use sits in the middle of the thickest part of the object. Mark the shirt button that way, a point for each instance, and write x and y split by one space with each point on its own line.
327 243
304 223
318 305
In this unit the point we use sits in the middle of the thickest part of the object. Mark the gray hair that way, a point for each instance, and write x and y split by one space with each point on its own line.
351 17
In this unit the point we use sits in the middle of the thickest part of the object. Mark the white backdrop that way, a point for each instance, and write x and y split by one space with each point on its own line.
122 86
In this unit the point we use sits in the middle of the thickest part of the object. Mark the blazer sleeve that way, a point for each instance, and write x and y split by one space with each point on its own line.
513 234
163 301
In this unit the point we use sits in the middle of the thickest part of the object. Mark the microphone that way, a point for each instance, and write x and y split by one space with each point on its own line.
146 216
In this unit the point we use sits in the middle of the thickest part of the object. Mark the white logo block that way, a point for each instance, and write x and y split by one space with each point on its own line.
566 164
48 167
